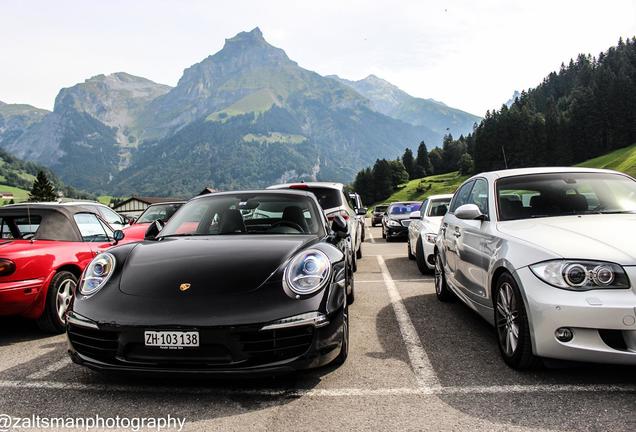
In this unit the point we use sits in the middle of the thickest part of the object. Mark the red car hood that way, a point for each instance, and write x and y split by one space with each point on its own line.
135 231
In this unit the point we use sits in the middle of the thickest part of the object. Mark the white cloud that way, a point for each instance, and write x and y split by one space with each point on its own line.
471 55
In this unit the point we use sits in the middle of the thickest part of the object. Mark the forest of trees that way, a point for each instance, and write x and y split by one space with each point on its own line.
585 110
378 182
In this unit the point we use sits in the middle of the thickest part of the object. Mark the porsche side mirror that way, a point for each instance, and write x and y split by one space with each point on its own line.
153 230
415 215
470 212
339 227
362 211
118 235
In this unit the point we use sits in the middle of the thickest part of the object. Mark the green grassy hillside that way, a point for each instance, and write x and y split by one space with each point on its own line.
19 195
419 189
623 160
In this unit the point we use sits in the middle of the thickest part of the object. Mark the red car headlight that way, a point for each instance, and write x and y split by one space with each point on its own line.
7 267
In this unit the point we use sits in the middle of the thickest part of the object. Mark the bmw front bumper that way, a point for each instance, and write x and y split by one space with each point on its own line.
603 322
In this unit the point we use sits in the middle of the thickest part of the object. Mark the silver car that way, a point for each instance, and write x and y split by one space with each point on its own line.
548 256
332 199
423 231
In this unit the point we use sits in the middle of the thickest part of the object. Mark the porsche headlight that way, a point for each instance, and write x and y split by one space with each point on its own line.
308 272
97 274
393 223
581 275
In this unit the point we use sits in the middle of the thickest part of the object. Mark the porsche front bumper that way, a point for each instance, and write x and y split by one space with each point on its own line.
261 349
603 322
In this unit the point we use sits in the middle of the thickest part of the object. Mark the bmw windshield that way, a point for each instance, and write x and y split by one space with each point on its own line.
563 194
246 213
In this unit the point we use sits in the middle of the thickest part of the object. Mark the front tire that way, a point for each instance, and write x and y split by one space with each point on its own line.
383 232
420 258
511 321
408 249
351 292
443 292
344 348
359 252
58 299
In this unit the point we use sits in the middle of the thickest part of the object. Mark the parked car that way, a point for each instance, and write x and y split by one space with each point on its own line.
43 250
548 256
333 201
423 229
361 212
396 220
156 212
249 282
378 214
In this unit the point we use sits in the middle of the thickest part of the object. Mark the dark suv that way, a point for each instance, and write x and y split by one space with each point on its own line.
378 213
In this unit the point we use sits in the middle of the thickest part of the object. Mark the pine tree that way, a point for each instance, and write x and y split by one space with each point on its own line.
42 189
409 163
423 166
466 165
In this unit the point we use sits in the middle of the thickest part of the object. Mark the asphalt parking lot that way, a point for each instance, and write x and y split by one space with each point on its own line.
414 364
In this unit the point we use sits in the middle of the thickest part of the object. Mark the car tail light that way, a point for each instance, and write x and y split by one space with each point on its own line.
7 267
299 186
342 213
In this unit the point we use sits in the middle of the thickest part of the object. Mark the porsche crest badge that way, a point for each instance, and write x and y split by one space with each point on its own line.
184 287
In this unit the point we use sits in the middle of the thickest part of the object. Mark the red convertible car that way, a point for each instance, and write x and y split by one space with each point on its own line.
43 251
161 212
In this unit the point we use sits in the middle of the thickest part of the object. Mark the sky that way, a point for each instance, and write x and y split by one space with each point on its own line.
468 54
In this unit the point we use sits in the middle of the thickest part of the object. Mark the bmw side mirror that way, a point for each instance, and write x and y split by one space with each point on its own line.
153 230
339 227
470 212
415 215
118 235
362 211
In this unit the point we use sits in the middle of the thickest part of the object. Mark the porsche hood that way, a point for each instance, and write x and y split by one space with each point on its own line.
205 267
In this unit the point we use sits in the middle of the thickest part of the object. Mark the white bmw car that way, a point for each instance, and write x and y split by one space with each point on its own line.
423 231
548 256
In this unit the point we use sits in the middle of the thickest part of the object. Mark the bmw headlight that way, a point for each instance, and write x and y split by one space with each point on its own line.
393 223
308 272
581 275
430 238
97 274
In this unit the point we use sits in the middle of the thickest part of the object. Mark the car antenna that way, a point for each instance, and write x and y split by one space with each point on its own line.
503 151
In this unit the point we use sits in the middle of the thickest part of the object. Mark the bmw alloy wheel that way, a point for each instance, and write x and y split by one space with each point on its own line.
507 316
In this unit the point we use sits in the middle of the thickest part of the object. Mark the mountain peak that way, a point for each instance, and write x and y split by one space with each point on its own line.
252 37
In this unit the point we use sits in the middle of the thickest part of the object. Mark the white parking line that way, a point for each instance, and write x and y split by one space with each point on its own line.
368 232
336 392
397 280
50 369
424 373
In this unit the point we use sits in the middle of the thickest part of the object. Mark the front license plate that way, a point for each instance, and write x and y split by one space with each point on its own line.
176 339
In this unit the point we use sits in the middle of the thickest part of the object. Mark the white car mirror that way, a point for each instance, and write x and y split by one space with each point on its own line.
469 212
415 215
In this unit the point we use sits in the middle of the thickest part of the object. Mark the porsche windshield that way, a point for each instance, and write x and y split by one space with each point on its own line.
562 194
251 213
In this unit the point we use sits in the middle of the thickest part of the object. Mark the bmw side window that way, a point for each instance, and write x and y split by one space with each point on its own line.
423 209
461 196
90 228
479 196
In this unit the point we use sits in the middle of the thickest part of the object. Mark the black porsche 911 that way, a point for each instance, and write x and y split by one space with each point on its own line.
236 282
